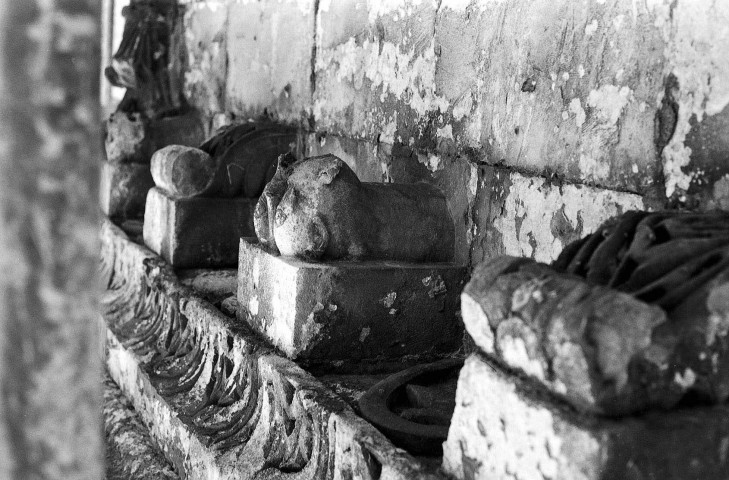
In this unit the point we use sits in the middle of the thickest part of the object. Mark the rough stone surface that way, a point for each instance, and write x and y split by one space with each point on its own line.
346 312
130 452
269 52
50 373
504 429
184 172
619 95
588 343
317 209
246 155
373 162
205 37
625 99
218 402
569 87
519 215
132 138
123 189
196 232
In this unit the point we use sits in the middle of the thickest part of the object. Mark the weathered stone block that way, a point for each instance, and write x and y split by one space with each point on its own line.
503 429
588 343
525 216
368 160
132 138
123 189
129 450
197 232
184 172
205 43
633 316
375 70
537 91
269 48
340 311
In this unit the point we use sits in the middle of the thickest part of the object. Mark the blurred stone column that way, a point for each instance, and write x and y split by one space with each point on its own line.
50 358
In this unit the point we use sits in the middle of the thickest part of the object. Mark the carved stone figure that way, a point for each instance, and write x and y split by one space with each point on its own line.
204 198
237 162
646 326
317 209
141 63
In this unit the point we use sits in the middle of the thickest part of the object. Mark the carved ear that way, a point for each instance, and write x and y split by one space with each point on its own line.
328 174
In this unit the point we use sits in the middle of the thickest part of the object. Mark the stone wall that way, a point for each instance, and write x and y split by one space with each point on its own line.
50 359
539 119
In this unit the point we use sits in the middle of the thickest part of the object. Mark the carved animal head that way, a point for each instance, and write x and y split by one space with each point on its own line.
318 189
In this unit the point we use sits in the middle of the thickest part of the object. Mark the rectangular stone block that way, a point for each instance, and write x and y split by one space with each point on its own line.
375 70
504 428
133 138
123 189
204 40
566 87
269 54
350 311
197 232
530 216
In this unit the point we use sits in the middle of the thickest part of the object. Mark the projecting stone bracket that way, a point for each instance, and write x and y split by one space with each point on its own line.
196 232
344 311
217 400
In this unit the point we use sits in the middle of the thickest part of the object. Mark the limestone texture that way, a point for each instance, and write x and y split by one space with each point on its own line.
317 209
524 216
130 452
350 313
123 189
219 402
269 48
133 138
590 344
630 317
184 172
205 41
504 428
196 232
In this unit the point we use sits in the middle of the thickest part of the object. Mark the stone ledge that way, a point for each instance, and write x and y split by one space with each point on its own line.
505 428
129 450
219 401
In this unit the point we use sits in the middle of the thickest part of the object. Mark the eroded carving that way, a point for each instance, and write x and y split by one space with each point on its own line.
237 162
645 326
318 209
241 401
141 63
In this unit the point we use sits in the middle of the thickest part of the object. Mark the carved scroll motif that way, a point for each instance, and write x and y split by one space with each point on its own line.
214 380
